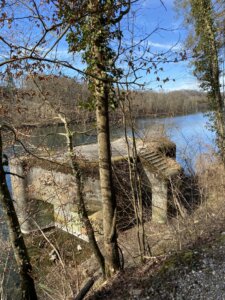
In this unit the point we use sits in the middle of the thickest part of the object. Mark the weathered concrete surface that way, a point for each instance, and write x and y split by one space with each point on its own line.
19 195
55 188
159 198
51 181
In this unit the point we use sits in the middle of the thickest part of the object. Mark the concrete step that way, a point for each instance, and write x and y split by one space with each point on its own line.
159 164
150 155
163 168
156 160
144 152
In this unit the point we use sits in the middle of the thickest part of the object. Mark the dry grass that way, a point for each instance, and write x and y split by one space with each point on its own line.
202 222
200 226
63 278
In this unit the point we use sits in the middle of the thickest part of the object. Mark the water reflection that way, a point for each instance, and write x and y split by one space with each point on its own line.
188 132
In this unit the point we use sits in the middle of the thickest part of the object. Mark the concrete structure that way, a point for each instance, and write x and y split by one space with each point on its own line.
47 194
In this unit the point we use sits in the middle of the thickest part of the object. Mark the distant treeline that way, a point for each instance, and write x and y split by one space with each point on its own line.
42 98
150 103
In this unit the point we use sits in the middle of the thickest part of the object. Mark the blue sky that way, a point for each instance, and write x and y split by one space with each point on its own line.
152 14
149 15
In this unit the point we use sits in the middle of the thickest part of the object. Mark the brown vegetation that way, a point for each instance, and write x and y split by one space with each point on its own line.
41 98
150 103
25 106
182 236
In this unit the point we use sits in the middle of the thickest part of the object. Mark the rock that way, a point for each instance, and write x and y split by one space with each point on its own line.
136 293
53 256
79 248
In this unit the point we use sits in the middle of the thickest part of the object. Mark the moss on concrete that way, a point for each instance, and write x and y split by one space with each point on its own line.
66 243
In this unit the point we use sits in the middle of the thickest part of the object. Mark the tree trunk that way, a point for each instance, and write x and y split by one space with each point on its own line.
101 87
207 64
112 262
83 214
217 99
16 237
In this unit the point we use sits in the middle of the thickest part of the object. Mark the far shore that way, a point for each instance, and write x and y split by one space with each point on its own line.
117 118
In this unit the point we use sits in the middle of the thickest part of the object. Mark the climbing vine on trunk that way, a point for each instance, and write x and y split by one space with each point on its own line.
207 66
93 36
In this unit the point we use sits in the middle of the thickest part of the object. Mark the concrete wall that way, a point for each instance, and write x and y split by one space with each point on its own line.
19 195
159 189
59 190
52 187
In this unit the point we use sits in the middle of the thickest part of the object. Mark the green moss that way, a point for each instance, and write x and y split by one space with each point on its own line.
221 238
88 168
39 249
188 258
169 265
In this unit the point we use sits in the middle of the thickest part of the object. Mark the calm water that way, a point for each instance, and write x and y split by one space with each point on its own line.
189 132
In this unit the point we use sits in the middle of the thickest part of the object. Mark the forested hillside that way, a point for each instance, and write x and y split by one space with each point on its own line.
43 97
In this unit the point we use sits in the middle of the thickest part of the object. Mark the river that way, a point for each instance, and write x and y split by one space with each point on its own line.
189 132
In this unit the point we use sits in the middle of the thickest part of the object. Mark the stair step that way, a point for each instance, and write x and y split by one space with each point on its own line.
163 168
144 150
159 164
150 155
156 160
147 152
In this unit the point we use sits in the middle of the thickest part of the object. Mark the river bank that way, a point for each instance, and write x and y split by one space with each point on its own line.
187 254
117 118
188 132
27 107
193 274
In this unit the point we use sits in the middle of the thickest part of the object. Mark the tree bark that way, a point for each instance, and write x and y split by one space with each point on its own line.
16 238
83 214
112 262
218 103
207 64
85 289
101 92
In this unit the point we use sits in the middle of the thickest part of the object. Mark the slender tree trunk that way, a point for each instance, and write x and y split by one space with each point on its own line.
112 262
80 198
217 99
135 180
101 92
76 171
207 64
16 237
220 125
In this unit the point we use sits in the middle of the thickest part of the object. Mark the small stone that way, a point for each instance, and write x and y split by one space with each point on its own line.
79 248
136 293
